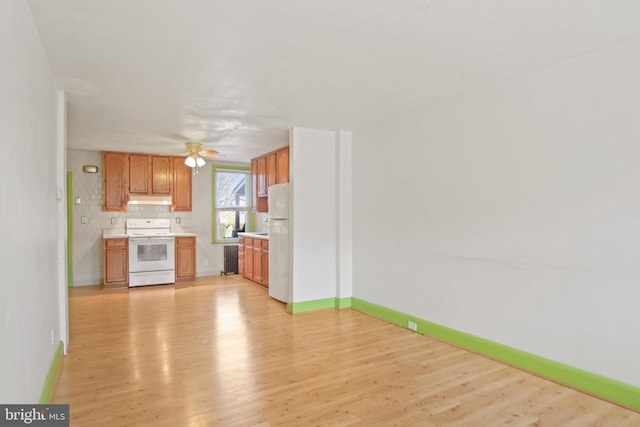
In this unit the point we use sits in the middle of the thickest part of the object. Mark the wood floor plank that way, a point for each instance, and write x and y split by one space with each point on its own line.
220 352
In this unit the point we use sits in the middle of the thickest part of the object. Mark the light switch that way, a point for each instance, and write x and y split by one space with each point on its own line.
76 200
83 220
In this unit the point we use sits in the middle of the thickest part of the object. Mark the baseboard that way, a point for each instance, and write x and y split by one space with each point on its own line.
209 272
87 282
606 388
52 375
343 303
321 304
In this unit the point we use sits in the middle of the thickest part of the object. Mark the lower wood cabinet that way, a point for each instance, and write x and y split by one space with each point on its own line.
265 263
185 259
116 263
241 256
253 260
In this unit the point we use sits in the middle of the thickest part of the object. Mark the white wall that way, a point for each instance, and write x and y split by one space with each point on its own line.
28 240
513 213
344 226
313 222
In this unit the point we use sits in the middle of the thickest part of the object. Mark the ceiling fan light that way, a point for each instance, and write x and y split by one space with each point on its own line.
190 161
200 161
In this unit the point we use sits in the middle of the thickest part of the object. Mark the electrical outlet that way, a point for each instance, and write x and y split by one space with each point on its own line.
84 220
178 221
77 200
412 325
114 221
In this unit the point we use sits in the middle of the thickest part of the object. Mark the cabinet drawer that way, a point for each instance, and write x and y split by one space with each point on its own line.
265 244
115 243
185 241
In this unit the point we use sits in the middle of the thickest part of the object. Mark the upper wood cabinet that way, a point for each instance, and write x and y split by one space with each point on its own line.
138 174
134 173
261 163
149 174
267 170
181 188
161 174
115 175
282 165
272 171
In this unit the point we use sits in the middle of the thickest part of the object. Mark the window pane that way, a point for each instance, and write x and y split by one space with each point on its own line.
229 223
232 189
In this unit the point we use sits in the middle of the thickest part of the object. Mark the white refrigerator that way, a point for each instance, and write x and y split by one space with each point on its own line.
279 242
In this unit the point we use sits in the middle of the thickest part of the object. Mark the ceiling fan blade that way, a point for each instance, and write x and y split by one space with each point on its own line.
208 153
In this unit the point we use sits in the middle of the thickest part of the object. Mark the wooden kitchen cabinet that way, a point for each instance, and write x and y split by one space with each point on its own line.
161 175
248 259
138 174
282 165
272 171
265 263
257 261
116 263
262 176
259 204
185 259
267 170
181 188
115 175
253 260
149 174
134 173
241 256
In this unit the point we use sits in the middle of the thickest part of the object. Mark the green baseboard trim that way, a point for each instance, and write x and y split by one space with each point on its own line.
52 376
343 303
321 304
596 385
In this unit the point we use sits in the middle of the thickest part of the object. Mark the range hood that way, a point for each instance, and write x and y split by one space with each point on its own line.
149 200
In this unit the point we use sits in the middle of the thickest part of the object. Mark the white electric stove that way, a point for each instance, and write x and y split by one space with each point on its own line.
151 252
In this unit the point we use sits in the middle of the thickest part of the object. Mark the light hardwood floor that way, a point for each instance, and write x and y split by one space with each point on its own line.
220 352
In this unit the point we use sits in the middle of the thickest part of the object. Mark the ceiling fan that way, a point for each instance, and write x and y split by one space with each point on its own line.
195 155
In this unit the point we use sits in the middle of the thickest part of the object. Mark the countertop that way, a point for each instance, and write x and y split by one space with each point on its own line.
114 233
119 233
251 235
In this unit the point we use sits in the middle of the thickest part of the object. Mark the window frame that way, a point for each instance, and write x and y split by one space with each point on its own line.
214 207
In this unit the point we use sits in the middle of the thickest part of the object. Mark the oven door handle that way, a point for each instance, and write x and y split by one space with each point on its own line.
151 239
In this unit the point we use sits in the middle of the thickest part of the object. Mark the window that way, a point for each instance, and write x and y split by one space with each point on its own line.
232 193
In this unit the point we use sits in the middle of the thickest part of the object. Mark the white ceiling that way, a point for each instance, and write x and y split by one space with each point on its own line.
148 75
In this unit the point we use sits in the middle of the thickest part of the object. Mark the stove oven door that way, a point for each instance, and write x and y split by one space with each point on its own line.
151 254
